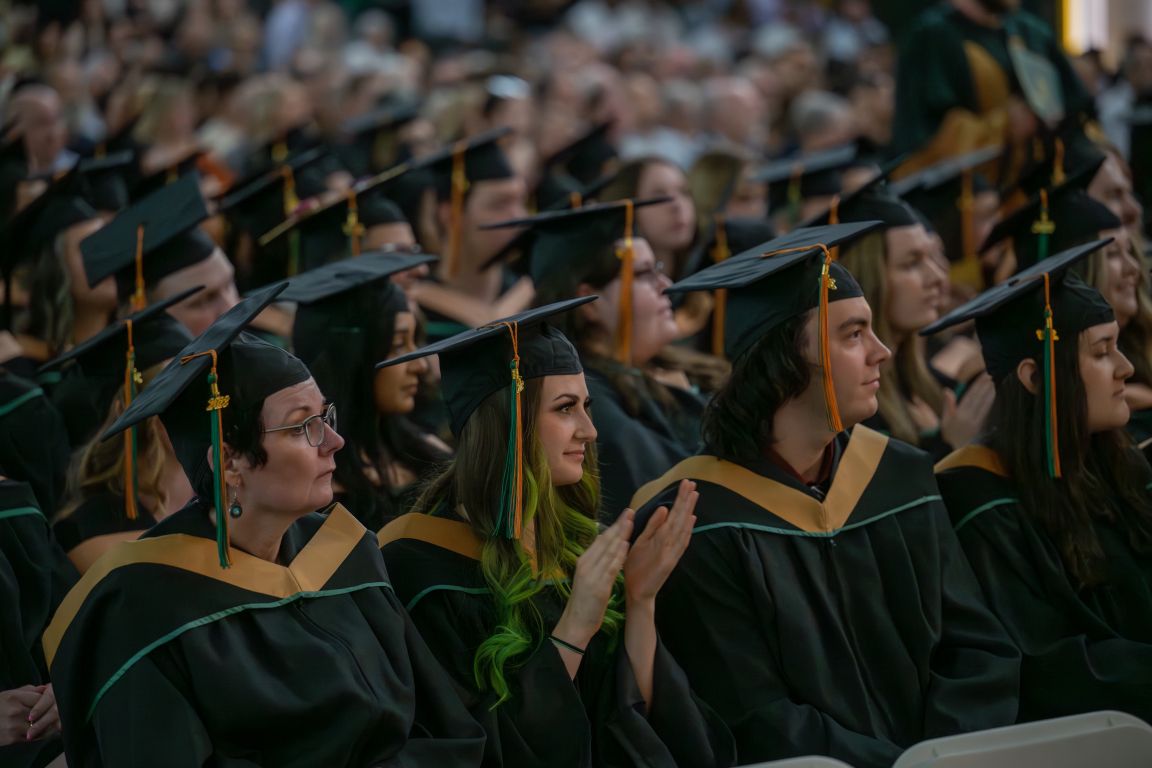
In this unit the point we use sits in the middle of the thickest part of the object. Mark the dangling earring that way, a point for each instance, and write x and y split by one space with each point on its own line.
234 509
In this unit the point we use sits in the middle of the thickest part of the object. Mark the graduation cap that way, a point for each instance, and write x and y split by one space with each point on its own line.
455 169
157 235
726 237
36 225
169 174
575 165
1027 316
480 362
268 190
336 228
218 379
104 180
790 181
945 193
351 301
1053 220
562 239
780 280
374 135
124 349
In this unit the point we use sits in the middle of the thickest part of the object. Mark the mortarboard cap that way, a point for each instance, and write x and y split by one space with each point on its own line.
1054 220
780 280
153 238
564 238
230 371
792 180
36 225
373 137
169 174
480 362
104 180
1027 315
338 277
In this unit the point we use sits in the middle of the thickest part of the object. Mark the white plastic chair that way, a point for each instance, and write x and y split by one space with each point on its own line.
812 761
1096 739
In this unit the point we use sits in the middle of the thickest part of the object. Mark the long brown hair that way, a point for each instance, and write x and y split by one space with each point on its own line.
1103 475
100 466
907 375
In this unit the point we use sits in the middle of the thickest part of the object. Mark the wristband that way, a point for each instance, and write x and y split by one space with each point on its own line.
566 644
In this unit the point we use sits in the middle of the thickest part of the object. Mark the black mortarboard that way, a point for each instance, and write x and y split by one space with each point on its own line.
155 237
1053 221
118 354
268 195
103 180
575 165
223 376
335 229
780 280
873 202
335 278
373 137
36 225
946 172
169 174
480 362
1026 316
792 180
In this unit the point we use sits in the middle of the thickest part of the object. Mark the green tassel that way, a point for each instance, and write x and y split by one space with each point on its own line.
135 489
504 522
1042 246
217 494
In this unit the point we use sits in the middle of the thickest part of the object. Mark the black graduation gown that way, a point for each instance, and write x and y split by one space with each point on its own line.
597 720
632 450
161 657
851 628
33 441
1083 649
97 524
34 577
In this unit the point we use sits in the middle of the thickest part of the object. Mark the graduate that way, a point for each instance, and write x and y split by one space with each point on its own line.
504 573
157 249
803 186
245 628
647 417
122 487
349 316
824 605
1052 506
905 286
34 577
474 186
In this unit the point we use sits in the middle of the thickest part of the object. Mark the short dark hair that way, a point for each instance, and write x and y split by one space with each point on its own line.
244 434
737 423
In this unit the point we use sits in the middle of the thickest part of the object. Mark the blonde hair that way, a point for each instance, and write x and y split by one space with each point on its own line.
154 100
712 180
100 466
906 375
1136 336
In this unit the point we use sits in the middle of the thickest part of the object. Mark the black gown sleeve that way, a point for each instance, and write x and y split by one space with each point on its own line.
1072 661
932 77
708 615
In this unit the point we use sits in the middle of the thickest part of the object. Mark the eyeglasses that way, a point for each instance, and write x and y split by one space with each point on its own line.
312 427
653 274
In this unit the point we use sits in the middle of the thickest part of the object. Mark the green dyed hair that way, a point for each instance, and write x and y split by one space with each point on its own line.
565 524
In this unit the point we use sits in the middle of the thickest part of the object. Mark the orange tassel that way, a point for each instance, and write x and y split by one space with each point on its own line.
720 252
575 200
627 270
1058 174
353 229
130 435
834 218
139 298
291 201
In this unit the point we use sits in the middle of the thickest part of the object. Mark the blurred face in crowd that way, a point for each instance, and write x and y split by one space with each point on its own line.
395 386
653 322
1119 276
749 200
487 203
41 122
670 227
1112 187
219 295
913 281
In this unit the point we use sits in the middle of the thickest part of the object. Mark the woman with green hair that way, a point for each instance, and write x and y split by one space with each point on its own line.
546 624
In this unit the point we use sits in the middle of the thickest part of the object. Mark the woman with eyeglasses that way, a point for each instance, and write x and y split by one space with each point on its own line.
246 628
350 315
647 417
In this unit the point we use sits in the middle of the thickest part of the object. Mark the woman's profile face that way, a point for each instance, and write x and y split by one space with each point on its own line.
1103 370
297 478
395 387
1120 275
564 426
